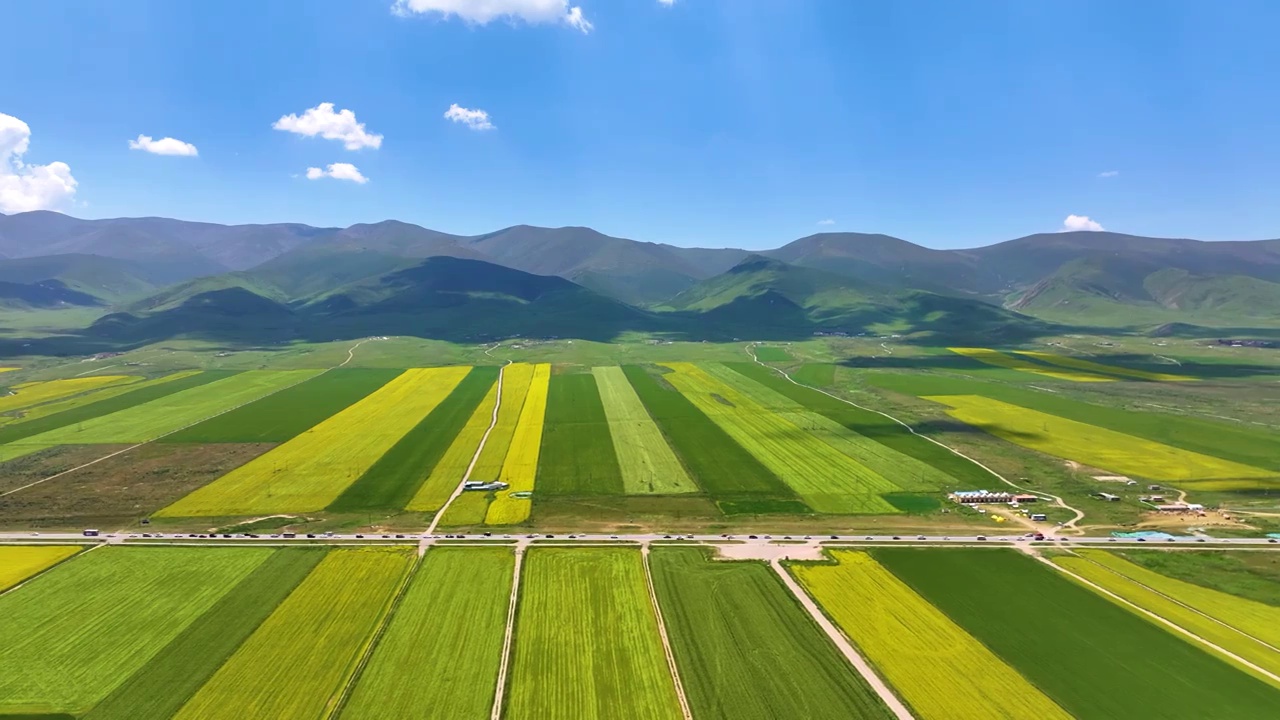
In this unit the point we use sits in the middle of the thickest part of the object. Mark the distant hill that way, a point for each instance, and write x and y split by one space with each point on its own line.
768 293
1084 279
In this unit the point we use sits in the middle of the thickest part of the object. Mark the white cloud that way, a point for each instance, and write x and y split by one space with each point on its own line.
1109 173
474 119
163 146
323 121
29 187
668 3
1080 222
338 171
482 12
828 221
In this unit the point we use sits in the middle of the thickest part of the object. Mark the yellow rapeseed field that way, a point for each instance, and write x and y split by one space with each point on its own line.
938 669
19 562
1091 445
1218 618
520 468
999 359
34 393
311 470
516 379
447 473
1082 364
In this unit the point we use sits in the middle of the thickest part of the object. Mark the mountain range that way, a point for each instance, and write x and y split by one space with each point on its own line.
154 277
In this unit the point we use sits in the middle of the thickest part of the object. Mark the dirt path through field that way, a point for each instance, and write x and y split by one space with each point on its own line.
493 422
662 632
505 665
881 688
1168 623
1070 524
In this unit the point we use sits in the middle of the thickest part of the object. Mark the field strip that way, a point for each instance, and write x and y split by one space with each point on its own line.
1174 626
497 405
895 705
1076 363
505 664
1184 605
86 372
44 570
998 359
1057 500
340 698
662 633
350 354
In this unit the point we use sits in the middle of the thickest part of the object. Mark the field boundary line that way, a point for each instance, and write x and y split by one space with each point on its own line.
1185 606
662 633
493 422
344 694
843 644
63 561
1060 502
1176 627
350 354
504 666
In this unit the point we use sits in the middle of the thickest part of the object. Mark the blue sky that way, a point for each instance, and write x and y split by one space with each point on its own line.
696 122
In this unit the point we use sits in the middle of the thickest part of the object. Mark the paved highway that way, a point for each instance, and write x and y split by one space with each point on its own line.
760 539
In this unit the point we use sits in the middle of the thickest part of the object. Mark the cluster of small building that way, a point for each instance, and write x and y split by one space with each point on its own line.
970 497
476 485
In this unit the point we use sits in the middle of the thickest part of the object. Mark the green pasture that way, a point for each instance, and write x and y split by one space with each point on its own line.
577 455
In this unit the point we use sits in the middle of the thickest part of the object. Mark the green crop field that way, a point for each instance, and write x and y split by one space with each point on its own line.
587 644
141 423
1251 575
937 668
449 631
126 396
310 471
720 466
869 424
825 478
1099 447
297 661
71 635
395 478
904 471
746 648
1091 656
1239 443
645 459
160 687
577 456
73 402
768 353
1244 628
813 374
283 415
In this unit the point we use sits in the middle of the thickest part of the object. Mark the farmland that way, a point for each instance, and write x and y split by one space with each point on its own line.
719 465
19 562
1231 441
939 669
647 463
1001 360
520 467
1255 576
25 395
286 414
1242 627
160 687
577 456
826 479
73 634
733 626
1106 662
336 609
1076 363
448 471
453 640
311 470
148 421
394 479
1094 446
587 643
